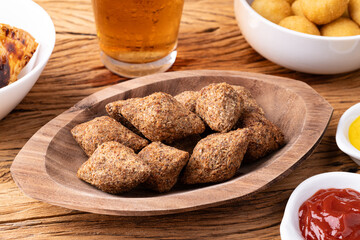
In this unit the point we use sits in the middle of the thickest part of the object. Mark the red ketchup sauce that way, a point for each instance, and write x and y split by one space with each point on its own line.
331 214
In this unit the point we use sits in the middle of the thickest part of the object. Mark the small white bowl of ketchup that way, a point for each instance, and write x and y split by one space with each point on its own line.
290 224
348 133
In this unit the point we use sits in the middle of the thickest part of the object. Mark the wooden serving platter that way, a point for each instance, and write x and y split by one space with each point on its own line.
45 168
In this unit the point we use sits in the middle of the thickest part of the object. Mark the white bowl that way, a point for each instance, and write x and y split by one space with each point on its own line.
294 50
342 133
289 228
29 16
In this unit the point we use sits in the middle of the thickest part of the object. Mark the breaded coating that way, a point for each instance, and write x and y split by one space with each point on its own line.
114 168
341 27
296 8
113 109
217 157
160 117
188 99
272 10
300 24
92 134
323 11
249 103
165 164
264 136
219 105
187 144
354 10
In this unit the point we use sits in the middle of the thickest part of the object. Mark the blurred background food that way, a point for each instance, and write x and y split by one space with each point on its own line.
332 18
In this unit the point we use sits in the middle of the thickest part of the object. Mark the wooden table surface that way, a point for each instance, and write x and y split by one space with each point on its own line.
209 39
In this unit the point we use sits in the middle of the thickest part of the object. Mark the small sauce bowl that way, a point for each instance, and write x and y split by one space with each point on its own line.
289 228
342 133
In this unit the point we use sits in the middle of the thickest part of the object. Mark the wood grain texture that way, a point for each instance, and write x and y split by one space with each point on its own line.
53 156
209 39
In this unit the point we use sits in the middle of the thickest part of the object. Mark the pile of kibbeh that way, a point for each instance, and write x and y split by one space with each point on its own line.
194 137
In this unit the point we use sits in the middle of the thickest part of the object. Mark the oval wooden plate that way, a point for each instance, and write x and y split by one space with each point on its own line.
45 168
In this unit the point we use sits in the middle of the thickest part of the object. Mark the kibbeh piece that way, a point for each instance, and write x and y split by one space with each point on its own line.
160 117
216 158
165 164
219 105
114 168
113 109
188 99
249 103
92 134
264 136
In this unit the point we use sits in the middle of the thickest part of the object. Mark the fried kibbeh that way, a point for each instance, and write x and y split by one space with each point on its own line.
187 144
354 10
216 158
114 168
299 24
219 105
272 10
249 103
323 11
160 117
296 8
113 109
264 137
188 99
165 164
92 134
341 27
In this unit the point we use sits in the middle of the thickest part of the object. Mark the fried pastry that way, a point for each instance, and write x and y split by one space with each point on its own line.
272 10
323 11
219 105
92 134
264 137
113 109
165 164
296 8
216 158
160 117
354 10
188 99
249 103
114 168
300 24
16 49
341 27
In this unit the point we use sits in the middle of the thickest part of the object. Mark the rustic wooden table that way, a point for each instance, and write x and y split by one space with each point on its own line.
209 39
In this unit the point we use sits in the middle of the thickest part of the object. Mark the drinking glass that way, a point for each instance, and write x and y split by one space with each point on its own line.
137 37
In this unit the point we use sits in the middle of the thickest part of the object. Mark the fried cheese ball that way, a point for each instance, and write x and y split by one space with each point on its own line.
216 158
165 164
92 134
290 1
340 28
323 11
114 168
299 24
272 10
354 10
296 8
219 105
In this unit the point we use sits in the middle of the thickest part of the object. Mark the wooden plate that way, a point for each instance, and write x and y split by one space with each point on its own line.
45 168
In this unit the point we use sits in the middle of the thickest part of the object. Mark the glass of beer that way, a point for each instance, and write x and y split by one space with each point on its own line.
137 37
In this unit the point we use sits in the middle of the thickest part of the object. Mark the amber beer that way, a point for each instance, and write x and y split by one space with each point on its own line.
137 31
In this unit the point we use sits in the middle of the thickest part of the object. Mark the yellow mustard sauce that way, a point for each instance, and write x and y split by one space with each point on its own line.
354 133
